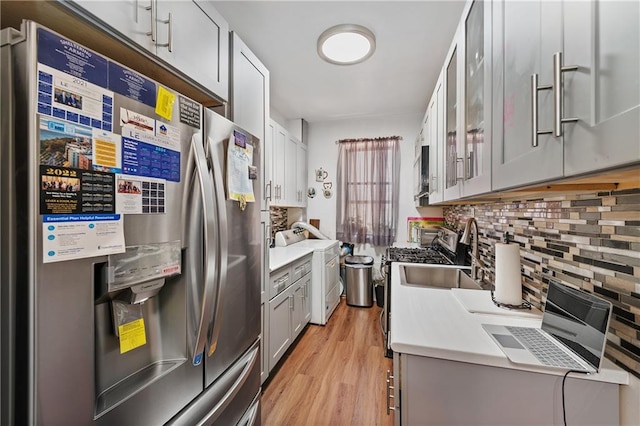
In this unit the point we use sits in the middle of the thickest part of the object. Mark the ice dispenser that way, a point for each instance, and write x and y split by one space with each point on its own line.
137 314
141 270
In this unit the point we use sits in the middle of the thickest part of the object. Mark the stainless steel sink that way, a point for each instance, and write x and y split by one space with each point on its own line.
437 276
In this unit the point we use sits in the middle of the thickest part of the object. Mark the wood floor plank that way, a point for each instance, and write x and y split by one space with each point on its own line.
333 375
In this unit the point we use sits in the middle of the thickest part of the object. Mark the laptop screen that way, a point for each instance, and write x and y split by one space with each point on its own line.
579 320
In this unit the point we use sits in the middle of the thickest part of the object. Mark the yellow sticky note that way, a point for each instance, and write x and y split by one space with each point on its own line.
132 335
164 103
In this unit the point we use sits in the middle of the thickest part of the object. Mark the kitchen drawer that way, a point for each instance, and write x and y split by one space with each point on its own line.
280 280
300 268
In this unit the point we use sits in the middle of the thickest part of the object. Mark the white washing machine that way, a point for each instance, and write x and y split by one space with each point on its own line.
325 268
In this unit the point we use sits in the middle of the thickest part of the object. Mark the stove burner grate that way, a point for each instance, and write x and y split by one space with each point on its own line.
416 255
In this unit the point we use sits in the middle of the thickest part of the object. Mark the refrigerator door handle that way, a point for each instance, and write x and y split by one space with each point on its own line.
197 163
223 245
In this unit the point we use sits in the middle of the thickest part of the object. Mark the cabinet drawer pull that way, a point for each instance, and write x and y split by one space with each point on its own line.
534 110
558 94
390 396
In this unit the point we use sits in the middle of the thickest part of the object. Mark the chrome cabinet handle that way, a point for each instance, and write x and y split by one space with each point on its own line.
169 43
534 109
154 22
291 303
389 395
459 160
558 92
267 197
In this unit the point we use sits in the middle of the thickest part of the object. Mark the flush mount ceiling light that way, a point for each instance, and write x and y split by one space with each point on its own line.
346 44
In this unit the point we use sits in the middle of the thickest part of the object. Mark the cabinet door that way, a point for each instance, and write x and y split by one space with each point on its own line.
453 151
302 174
269 190
279 144
436 143
194 37
297 317
525 35
280 308
291 171
306 306
417 161
603 39
250 101
132 18
477 99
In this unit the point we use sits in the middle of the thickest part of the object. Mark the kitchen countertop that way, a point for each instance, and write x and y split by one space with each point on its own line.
432 322
282 256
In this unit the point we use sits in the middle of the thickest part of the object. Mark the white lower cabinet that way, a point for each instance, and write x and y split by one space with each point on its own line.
289 311
435 391
280 325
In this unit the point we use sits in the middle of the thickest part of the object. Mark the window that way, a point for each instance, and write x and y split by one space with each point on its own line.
368 184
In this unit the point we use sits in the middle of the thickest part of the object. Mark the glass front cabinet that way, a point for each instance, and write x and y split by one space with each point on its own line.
467 82
477 100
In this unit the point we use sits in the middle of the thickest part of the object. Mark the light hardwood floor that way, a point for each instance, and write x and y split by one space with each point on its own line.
334 375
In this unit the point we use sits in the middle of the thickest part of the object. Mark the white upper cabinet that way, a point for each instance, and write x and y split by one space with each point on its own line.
453 151
435 140
132 18
194 38
291 172
189 35
601 38
566 89
278 145
250 104
525 35
288 178
303 169
476 95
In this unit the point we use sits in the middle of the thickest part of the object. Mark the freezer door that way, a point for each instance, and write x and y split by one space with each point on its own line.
235 324
234 399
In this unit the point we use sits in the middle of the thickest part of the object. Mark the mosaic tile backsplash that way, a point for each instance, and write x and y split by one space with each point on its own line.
279 219
588 241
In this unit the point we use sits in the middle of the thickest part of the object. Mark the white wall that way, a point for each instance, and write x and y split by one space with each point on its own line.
323 153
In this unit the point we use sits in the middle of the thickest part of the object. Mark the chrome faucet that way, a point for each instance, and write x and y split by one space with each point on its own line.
476 263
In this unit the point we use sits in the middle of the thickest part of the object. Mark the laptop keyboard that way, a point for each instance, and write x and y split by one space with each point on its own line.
543 349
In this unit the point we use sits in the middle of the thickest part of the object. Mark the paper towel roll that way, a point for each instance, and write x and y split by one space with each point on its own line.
508 286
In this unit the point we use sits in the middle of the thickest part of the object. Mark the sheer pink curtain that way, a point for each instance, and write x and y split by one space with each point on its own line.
368 183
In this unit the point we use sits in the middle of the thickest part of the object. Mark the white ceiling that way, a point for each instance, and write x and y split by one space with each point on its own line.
412 40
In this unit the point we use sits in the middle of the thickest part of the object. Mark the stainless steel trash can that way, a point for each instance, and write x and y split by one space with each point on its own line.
359 270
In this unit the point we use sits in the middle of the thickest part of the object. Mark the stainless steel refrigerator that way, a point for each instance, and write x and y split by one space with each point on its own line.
130 246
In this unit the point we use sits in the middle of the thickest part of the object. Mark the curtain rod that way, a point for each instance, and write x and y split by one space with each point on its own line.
399 138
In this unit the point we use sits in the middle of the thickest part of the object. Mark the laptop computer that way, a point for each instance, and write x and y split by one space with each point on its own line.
572 336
